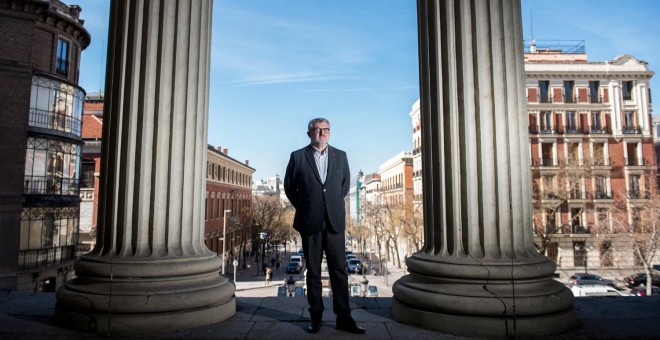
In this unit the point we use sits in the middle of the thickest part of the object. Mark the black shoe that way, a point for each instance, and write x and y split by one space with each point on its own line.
314 326
351 328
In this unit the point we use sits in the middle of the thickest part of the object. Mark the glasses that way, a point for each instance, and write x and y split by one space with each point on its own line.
318 130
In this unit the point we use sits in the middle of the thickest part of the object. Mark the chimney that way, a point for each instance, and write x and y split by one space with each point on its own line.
219 148
225 151
247 162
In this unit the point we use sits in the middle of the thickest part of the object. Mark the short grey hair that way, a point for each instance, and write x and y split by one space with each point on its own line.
317 120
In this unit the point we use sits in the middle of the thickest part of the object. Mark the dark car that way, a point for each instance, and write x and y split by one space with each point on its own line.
293 268
589 279
354 266
641 291
640 279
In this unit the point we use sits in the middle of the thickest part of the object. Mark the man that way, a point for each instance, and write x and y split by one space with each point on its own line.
316 182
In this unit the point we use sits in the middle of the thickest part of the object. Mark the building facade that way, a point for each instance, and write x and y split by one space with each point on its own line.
416 119
40 47
90 170
592 155
396 179
228 205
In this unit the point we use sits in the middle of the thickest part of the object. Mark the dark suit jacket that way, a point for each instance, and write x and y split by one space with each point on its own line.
310 197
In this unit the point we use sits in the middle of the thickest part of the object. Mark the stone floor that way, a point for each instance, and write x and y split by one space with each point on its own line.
29 316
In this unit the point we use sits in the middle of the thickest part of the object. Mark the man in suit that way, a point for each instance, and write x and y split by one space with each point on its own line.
316 182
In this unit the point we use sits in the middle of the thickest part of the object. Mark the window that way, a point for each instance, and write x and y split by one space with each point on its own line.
51 167
544 91
596 122
629 122
603 218
571 122
573 153
569 96
594 97
633 158
548 154
599 156
55 105
627 89
546 122
87 175
579 254
633 191
601 187
606 254
62 62
549 187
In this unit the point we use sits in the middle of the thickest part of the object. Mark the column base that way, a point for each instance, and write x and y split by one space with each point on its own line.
145 323
491 308
139 296
482 326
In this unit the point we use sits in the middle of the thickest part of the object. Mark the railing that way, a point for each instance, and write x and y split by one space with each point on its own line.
50 185
545 99
598 130
633 161
602 196
42 257
595 99
54 121
636 194
632 129
580 229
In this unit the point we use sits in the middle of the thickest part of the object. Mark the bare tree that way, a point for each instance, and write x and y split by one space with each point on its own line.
637 213
552 190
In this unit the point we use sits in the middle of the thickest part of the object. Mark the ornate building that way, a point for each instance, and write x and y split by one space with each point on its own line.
40 47
591 150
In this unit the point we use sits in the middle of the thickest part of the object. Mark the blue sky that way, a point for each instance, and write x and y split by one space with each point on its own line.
277 64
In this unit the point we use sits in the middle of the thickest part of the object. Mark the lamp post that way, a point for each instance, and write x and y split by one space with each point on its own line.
224 238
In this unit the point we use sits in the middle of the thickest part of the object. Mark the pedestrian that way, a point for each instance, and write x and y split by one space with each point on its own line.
316 182
277 266
269 273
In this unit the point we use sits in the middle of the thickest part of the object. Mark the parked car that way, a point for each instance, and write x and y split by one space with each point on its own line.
293 268
354 266
595 290
641 291
589 279
350 257
635 280
372 291
296 258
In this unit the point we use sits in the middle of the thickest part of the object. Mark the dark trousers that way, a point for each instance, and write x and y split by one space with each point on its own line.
333 244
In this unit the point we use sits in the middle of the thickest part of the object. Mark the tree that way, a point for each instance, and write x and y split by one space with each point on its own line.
271 220
637 213
553 187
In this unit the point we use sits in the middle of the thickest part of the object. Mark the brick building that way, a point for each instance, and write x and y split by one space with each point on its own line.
228 188
40 47
591 151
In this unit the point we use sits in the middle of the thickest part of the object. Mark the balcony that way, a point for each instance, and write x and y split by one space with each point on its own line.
601 195
595 99
632 130
580 229
36 258
636 194
54 121
50 185
598 130
633 161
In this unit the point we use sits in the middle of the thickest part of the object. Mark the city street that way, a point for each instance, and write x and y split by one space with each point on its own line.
252 284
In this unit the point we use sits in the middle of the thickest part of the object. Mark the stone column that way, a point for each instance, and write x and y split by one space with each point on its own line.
150 270
478 273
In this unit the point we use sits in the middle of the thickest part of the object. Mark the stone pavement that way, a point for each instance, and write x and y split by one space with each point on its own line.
262 315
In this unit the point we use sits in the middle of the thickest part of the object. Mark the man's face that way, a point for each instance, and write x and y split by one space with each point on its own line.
319 135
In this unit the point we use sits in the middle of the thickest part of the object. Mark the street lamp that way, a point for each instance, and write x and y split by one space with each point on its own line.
290 285
224 238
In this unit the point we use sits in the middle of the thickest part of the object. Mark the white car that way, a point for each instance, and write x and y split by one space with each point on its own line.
596 290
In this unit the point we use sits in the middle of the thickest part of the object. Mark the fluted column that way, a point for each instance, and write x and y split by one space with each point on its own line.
478 273
150 270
